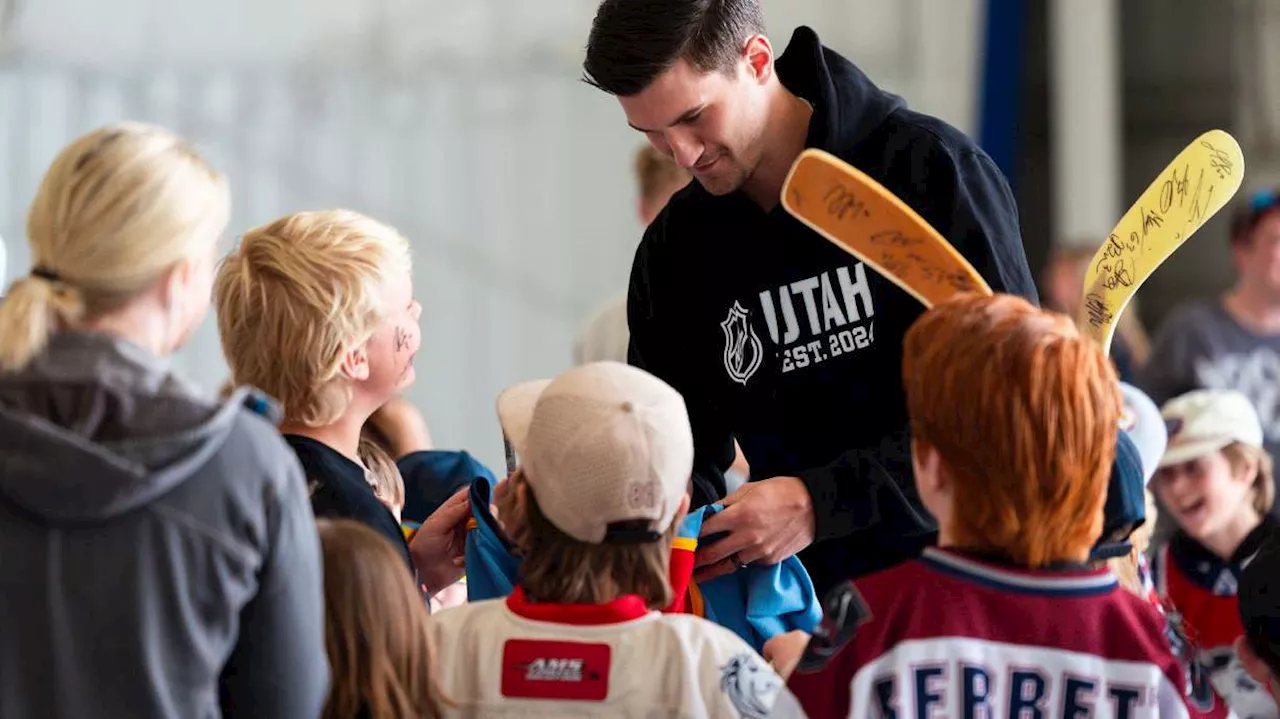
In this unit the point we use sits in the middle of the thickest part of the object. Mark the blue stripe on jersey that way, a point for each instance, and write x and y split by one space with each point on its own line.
1019 581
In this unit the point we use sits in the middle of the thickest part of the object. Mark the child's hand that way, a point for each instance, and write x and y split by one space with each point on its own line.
439 545
783 651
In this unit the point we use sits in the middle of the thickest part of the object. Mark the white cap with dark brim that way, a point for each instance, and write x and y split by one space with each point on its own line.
606 449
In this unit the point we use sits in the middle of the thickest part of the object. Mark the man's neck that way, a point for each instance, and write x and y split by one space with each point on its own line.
1253 310
343 435
784 137
1227 540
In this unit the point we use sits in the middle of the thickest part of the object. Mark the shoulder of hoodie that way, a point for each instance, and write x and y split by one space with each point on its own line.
930 136
255 441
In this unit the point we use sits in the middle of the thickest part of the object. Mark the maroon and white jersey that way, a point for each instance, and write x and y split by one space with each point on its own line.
952 635
512 657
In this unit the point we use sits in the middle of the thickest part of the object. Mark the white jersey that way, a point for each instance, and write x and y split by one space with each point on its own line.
510 657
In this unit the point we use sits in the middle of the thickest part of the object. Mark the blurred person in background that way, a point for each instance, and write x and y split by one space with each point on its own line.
1063 279
160 555
776 337
1231 341
605 335
375 630
1215 484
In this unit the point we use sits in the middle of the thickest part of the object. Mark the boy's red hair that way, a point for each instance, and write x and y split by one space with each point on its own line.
1023 412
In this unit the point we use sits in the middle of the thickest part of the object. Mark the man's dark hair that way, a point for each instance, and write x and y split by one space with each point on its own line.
634 41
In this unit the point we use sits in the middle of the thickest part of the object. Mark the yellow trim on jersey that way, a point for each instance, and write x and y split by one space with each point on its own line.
685 543
697 605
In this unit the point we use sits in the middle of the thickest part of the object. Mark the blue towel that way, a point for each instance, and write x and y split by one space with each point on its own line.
757 602
492 565
431 477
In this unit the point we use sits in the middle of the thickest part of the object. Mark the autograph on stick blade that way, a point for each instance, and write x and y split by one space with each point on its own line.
1199 182
844 205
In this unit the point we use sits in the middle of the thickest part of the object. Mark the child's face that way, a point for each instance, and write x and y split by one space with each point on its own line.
1203 495
393 346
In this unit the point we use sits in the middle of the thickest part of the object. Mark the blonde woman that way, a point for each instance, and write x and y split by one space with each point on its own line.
160 557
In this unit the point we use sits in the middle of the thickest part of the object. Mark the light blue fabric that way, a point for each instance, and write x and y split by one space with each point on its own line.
758 602
492 566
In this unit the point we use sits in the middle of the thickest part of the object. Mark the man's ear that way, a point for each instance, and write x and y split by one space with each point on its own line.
759 56
355 364
925 464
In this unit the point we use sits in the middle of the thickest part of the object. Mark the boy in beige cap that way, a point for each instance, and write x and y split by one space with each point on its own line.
1215 483
606 454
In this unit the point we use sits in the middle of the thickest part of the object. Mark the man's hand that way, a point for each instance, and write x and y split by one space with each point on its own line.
439 546
766 521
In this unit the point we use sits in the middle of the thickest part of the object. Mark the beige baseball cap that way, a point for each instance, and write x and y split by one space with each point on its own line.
1207 420
602 446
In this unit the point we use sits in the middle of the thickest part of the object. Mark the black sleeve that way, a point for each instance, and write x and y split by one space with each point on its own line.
981 220
279 666
868 489
652 348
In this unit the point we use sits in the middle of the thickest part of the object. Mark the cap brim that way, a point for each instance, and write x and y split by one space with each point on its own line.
515 410
1179 453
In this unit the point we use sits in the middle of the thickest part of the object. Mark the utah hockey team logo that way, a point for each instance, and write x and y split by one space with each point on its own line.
742 348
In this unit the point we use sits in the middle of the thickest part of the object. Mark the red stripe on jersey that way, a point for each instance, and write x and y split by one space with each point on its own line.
622 609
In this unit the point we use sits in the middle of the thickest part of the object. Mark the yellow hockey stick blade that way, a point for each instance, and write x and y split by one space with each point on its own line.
1199 182
844 205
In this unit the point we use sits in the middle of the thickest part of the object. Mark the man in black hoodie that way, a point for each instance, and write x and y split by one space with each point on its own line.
774 335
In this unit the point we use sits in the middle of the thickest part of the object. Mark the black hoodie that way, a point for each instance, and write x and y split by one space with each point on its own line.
777 337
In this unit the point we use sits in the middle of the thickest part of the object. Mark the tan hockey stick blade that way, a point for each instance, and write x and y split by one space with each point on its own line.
1199 182
844 205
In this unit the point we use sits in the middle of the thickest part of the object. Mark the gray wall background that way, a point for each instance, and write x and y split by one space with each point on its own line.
461 123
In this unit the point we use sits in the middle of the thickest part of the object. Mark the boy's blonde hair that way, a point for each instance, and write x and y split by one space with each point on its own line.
555 567
1239 454
117 209
296 296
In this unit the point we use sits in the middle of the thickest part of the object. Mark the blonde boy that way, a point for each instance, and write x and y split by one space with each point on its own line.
317 310
605 458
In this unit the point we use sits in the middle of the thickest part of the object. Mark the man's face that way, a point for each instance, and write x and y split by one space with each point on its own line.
1258 259
709 123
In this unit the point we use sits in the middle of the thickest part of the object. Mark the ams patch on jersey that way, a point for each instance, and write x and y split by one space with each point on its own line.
533 669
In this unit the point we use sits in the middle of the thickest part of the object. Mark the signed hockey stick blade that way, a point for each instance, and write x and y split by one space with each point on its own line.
1199 182
844 205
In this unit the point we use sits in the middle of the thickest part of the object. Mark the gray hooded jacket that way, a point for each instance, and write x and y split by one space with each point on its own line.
158 554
